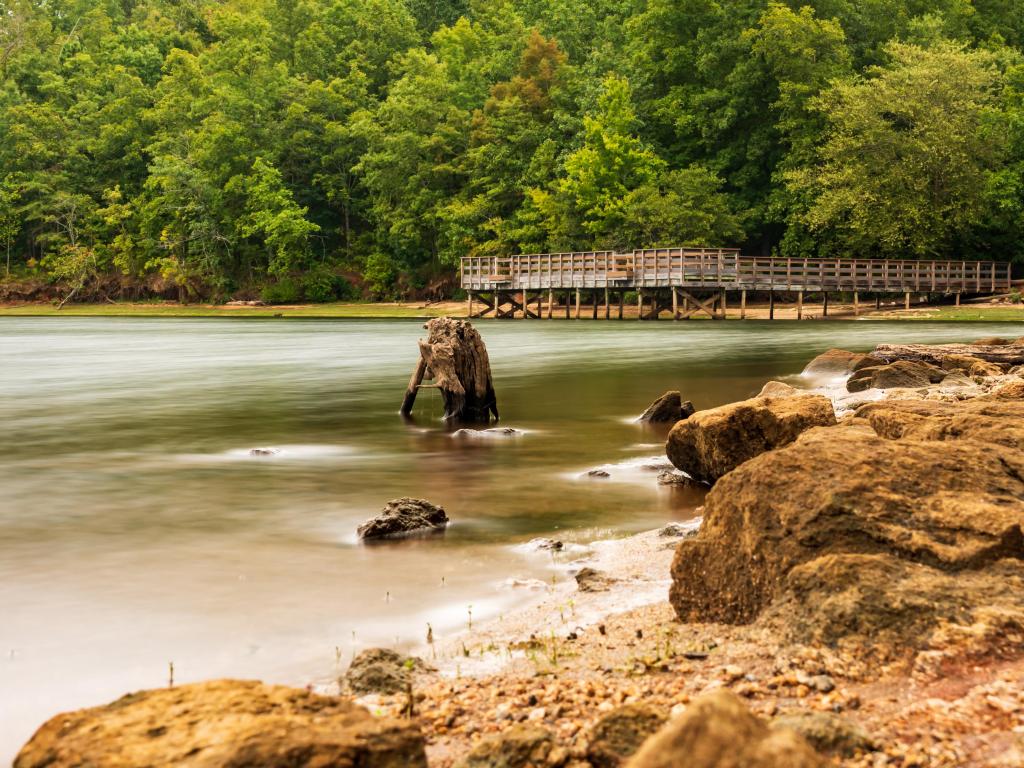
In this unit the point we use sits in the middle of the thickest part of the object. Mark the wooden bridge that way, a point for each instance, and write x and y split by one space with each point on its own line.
688 281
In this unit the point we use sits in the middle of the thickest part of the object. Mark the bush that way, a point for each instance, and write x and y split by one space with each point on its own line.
318 286
284 291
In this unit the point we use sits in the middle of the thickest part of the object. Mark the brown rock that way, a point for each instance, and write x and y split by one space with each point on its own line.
1011 390
401 517
970 365
826 732
618 734
667 409
954 505
839 362
379 670
1008 354
521 746
902 373
993 341
711 443
777 389
591 580
718 731
224 723
996 421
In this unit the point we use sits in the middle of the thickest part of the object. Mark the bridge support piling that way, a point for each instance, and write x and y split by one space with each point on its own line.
824 303
906 300
799 305
607 304
469 309
958 298
551 302
771 305
640 303
743 304
594 315
723 305
577 303
675 304
526 305
878 302
856 304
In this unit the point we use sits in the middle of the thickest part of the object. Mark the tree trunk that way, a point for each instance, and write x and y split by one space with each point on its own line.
454 356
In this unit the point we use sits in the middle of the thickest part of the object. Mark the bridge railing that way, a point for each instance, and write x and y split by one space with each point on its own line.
726 268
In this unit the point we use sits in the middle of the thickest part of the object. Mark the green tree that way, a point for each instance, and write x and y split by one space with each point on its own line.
10 218
910 153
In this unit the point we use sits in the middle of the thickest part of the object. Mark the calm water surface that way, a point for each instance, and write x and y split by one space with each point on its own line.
136 529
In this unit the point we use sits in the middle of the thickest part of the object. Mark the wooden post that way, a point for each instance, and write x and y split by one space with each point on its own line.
621 294
526 312
640 303
771 305
824 303
878 302
906 300
675 304
799 305
743 304
568 301
469 311
958 298
607 305
414 386
724 310
577 303
595 304
551 301
856 304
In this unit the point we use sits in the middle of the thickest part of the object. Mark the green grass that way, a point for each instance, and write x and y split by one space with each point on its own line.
365 310
967 313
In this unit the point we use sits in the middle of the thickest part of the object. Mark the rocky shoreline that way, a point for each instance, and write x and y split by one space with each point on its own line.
853 596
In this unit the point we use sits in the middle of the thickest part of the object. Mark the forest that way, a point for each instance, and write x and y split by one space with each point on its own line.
318 150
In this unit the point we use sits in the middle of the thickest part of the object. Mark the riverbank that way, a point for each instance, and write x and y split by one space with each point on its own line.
988 311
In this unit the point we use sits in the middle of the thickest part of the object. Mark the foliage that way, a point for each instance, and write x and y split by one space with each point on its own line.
274 145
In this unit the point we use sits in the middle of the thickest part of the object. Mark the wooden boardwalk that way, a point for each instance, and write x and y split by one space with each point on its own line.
687 281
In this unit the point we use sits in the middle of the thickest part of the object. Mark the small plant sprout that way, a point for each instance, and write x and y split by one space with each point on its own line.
337 655
387 597
469 613
170 674
465 651
443 584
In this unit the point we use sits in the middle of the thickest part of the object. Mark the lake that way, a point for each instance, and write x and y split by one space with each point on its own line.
136 530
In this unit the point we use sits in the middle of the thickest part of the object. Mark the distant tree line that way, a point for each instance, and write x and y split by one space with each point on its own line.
320 149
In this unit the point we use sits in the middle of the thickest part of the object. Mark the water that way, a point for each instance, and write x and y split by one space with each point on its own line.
136 530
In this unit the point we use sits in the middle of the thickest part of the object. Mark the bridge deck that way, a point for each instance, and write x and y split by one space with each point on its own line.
726 269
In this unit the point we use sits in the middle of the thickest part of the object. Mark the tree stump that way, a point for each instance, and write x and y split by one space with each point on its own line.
454 356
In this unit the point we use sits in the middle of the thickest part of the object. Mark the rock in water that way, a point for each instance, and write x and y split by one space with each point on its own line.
668 409
224 723
902 373
591 580
521 746
404 516
718 731
777 389
379 670
454 356
619 734
839 362
711 443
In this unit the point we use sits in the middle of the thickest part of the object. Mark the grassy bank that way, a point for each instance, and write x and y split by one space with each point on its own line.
966 313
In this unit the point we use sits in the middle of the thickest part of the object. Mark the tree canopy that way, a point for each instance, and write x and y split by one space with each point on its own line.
318 149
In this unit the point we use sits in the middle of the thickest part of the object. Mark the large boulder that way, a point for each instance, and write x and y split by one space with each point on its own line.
902 373
995 420
668 409
711 443
1002 354
838 362
401 517
225 723
827 732
718 731
970 365
621 732
954 505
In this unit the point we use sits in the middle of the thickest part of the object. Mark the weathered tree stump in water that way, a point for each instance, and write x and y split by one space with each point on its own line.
454 356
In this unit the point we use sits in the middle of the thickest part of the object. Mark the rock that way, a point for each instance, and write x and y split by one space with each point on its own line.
667 409
598 473
244 303
521 746
956 505
680 530
486 433
992 341
970 365
264 451
827 732
546 545
718 731
902 373
1011 390
675 478
1003 354
404 516
591 580
711 443
379 670
777 389
224 723
995 421
619 733
839 362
